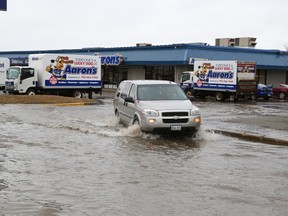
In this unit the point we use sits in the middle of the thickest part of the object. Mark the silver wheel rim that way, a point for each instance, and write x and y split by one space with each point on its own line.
77 94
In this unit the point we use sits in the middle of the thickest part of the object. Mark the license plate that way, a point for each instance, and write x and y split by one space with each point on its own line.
176 128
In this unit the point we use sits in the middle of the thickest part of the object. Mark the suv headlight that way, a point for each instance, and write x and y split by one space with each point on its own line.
195 112
150 112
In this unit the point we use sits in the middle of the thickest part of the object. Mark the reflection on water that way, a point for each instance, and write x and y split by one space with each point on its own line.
82 161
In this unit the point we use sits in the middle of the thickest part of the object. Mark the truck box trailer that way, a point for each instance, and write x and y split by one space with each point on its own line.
62 74
4 64
222 80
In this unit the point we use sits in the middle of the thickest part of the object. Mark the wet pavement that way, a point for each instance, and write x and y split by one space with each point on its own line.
81 161
253 119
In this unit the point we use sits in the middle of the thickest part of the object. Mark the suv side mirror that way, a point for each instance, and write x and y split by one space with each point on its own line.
129 100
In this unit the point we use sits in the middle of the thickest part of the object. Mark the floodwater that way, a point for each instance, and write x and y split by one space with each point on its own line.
79 160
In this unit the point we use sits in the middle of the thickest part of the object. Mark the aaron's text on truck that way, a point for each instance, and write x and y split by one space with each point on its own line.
221 79
70 75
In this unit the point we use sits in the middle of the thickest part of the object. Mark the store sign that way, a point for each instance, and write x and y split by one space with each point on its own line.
192 60
111 59
18 61
3 5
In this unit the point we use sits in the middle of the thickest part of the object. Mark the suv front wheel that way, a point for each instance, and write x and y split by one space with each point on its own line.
135 121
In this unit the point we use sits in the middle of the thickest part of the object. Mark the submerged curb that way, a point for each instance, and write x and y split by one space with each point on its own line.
74 104
254 138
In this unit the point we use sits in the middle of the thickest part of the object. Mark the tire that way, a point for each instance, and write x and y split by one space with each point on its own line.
116 113
135 121
254 97
189 93
77 94
282 95
31 92
219 96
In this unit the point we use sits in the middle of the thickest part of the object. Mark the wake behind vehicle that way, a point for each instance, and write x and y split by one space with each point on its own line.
157 106
61 74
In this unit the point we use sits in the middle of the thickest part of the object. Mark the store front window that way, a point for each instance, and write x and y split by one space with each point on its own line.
113 75
261 76
159 73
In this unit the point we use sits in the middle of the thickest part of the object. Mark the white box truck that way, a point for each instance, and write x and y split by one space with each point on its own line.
62 74
221 79
4 64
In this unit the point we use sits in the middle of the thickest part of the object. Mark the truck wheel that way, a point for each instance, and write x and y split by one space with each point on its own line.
219 96
31 92
282 95
189 93
77 94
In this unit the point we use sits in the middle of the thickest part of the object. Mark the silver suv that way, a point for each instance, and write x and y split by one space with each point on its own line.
157 106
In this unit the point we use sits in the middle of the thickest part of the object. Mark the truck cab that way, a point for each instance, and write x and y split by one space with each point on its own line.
186 82
21 80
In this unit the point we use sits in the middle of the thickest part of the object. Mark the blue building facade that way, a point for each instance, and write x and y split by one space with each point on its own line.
169 61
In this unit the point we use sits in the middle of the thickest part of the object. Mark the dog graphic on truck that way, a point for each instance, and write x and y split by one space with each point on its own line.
57 65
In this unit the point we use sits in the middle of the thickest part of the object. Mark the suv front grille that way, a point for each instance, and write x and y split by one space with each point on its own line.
171 121
9 85
175 114
175 117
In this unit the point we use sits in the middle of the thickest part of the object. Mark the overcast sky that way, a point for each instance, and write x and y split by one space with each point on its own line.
73 24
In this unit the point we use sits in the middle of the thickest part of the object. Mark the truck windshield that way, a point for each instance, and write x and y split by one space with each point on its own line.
13 73
185 77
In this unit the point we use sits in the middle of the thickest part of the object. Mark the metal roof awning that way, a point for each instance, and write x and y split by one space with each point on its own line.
272 59
177 54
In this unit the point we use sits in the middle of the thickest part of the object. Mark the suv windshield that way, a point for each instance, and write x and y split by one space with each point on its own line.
160 92
13 73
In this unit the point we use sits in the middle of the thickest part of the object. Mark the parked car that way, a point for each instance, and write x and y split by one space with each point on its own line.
264 92
279 89
157 106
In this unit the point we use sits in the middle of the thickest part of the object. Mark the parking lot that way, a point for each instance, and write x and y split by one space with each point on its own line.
78 160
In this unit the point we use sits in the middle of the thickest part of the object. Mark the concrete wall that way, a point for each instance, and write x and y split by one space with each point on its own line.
178 71
276 76
136 73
